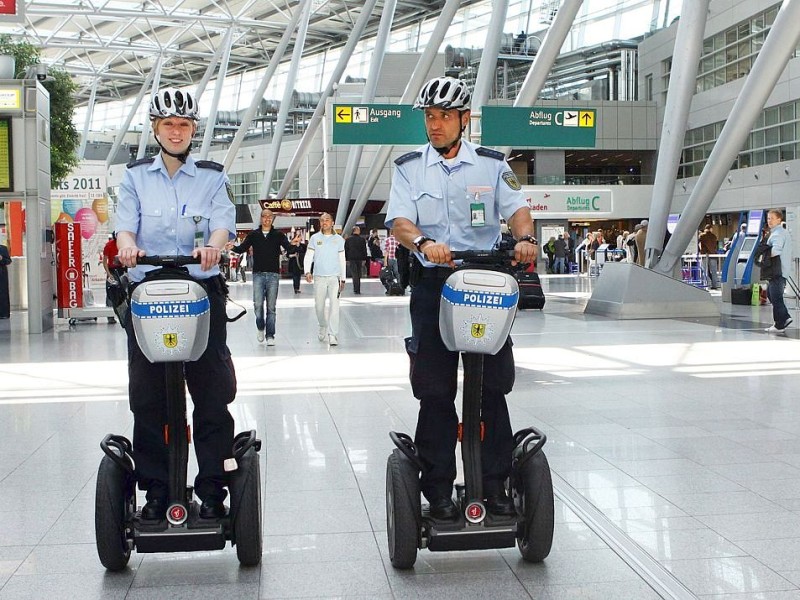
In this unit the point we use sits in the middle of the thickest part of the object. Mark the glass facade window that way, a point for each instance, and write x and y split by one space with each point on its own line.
775 137
729 55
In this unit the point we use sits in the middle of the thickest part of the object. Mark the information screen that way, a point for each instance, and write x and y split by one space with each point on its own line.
6 171
754 222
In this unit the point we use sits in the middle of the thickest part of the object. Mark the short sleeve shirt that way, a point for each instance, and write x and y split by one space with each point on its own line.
326 254
459 202
167 214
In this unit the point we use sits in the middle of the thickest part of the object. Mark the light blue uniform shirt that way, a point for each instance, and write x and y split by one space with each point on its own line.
328 253
165 213
781 243
458 203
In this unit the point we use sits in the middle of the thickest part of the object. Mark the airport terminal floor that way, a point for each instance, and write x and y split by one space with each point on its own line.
674 447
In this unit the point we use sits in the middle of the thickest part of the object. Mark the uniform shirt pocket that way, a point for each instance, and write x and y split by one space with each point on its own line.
430 208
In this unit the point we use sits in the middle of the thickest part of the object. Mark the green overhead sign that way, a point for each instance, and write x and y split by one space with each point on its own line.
538 127
399 125
394 124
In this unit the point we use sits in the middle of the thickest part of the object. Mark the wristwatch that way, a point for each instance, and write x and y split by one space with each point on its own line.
421 239
528 238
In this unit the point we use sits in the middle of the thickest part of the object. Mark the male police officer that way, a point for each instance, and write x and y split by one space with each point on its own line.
168 205
450 195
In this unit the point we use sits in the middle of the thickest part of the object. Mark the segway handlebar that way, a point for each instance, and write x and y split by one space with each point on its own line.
168 261
484 257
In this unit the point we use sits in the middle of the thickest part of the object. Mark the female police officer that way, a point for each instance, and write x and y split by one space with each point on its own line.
169 205
450 194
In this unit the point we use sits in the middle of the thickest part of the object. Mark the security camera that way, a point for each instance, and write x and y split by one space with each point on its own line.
41 71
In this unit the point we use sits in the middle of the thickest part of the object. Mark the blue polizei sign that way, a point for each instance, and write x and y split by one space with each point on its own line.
480 299
155 310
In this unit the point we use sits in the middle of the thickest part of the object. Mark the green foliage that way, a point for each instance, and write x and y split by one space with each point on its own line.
64 137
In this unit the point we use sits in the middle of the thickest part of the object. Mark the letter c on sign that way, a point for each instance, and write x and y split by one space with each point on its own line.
594 203
559 118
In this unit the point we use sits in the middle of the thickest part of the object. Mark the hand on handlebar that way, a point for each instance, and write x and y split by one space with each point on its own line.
438 253
208 255
525 252
129 256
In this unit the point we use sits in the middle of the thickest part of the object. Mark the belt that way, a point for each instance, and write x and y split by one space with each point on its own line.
440 273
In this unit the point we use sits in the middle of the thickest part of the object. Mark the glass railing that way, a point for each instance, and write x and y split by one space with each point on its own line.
588 179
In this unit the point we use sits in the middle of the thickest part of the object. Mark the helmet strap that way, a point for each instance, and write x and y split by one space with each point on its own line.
180 156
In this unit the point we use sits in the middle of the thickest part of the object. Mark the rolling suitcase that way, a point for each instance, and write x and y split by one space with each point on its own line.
530 290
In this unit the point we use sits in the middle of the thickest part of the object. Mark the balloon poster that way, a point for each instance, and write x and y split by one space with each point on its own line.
83 198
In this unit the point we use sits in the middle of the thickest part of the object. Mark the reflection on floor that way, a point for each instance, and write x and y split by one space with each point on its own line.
685 434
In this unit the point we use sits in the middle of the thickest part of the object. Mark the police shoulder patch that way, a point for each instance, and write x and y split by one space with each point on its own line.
141 161
495 154
229 189
407 157
209 164
511 180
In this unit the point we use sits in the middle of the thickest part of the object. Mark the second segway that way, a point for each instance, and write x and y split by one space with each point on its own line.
477 310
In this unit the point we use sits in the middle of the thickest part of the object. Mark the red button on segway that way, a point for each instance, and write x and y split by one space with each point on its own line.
176 514
475 512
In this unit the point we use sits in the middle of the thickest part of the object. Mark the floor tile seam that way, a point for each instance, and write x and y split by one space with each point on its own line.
651 571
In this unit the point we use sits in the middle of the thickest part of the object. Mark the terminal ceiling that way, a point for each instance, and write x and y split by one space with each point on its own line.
117 42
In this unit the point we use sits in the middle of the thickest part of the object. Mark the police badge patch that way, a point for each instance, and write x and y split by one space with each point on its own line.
511 180
229 189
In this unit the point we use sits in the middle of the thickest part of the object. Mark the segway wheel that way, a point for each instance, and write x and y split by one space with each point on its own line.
536 496
403 510
247 520
114 506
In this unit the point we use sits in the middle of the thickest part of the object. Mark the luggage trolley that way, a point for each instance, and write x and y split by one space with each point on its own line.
478 306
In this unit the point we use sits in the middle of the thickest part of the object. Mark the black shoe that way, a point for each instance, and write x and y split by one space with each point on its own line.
501 505
444 509
155 509
212 509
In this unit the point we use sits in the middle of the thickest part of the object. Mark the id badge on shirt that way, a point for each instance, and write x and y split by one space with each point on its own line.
477 209
199 238
477 213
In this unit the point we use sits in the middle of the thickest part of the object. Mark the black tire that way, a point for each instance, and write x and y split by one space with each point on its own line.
113 508
403 510
535 501
247 520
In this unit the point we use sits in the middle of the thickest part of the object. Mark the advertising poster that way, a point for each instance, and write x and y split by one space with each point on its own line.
82 198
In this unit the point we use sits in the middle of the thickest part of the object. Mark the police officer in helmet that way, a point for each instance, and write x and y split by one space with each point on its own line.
451 195
172 204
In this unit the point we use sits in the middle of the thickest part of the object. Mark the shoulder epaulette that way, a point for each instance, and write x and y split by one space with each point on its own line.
490 153
209 164
141 161
407 157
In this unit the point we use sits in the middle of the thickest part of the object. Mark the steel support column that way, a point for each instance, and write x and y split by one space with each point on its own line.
546 56
120 137
487 70
277 133
354 156
88 121
258 95
319 111
682 85
146 126
221 74
412 89
767 69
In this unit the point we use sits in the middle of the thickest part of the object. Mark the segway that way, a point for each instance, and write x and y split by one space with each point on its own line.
478 306
171 314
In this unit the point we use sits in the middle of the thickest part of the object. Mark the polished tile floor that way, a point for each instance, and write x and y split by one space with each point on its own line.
683 434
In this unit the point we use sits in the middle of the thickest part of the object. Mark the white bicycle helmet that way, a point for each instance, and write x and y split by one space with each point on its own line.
170 102
444 92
